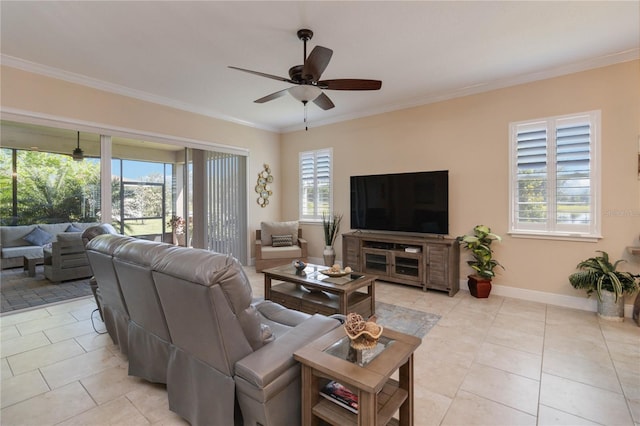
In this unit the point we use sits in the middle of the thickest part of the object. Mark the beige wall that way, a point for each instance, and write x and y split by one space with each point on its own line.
469 137
41 95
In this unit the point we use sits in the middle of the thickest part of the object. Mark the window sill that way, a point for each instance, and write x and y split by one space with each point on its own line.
310 221
583 238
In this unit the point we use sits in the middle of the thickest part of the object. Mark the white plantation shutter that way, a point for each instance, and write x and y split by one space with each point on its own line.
554 176
573 172
532 201
315 184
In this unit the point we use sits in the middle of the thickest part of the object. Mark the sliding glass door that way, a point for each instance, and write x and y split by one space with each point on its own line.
154 190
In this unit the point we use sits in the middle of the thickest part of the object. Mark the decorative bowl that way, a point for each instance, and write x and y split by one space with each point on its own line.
363 334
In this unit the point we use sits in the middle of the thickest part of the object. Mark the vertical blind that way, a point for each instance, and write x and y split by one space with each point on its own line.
226 204
315 183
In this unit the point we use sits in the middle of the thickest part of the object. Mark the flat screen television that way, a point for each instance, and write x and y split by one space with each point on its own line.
415 202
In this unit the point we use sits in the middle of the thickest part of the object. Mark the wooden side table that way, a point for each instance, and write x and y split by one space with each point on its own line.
379 396
30 262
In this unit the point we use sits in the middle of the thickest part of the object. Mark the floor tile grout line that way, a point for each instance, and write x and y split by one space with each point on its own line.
615 369
544 342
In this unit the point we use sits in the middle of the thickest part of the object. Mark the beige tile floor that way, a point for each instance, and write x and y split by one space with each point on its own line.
495 361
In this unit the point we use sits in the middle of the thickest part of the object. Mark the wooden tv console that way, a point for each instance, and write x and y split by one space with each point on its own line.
427 262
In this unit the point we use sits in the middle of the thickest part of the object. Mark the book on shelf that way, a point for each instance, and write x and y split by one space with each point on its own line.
338 394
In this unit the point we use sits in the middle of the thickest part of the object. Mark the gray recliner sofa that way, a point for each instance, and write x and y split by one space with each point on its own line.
222 350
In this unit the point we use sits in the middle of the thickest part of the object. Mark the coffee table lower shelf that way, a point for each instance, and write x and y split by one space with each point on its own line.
390 399
293 296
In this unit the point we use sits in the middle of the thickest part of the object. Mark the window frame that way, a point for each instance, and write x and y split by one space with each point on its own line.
316 216
551 229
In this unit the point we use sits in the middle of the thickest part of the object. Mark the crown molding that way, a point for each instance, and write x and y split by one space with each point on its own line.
32 67
481 87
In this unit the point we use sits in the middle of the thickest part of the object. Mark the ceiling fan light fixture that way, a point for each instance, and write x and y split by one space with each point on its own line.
305 92
78 155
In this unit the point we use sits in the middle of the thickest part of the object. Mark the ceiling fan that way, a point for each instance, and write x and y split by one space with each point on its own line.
306 77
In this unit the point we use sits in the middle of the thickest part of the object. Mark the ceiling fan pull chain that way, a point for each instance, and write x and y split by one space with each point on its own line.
306 128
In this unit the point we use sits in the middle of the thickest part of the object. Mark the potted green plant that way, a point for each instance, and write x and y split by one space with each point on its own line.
331 226
483 263
597 274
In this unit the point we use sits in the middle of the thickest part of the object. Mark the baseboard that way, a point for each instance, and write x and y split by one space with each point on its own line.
582 303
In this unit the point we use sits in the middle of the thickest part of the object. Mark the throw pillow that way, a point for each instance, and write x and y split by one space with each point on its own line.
282 240
38 237
73 228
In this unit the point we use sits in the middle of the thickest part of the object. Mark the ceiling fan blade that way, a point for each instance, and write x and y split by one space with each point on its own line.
272 96
323 102
316 63
350 84
261 74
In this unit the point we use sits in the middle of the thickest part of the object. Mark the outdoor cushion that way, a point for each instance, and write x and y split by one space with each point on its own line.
69 236
19 251
282 240
38 237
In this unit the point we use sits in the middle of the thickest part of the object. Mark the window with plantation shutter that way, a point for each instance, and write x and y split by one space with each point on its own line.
316 190
555 177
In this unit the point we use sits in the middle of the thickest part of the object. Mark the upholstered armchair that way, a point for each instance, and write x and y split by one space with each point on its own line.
279 243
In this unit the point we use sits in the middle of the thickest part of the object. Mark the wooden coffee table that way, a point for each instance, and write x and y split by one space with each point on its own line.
379 396
312 292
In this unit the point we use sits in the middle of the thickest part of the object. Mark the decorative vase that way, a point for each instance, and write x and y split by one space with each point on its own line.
609 309
178 239
329 255
479 287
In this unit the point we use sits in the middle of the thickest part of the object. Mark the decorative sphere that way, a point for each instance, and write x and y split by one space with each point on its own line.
299 265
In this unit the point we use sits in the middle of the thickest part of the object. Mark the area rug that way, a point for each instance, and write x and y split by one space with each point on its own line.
19 291
405 320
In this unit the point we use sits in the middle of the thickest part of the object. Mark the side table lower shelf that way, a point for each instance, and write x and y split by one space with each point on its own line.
390 399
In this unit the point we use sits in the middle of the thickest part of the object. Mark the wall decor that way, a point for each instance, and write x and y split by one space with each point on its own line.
263 186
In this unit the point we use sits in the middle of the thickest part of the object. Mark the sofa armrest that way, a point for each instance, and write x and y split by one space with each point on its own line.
270 361
303 245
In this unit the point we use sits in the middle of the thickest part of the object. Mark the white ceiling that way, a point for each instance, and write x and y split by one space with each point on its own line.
176 52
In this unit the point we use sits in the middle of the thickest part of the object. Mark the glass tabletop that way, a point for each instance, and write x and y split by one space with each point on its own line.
343 350
313 273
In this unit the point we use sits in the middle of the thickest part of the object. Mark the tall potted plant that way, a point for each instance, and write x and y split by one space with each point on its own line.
483 263
597 274
331 226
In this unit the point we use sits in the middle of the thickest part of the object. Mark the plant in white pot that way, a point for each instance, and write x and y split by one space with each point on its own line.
597 274
483 263
331 226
